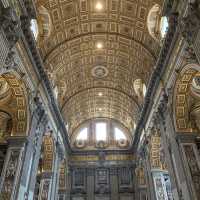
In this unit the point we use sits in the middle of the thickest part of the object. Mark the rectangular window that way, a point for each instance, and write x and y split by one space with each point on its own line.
101 132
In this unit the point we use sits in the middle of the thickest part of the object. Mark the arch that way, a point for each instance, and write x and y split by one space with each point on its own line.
48 154
13 101
182 99
139 88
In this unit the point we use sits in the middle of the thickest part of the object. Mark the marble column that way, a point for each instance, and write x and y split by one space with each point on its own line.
191 159
181 186
32 152
56 171
90 184
166 147
142 191
114 184
10 179
150 184
69 183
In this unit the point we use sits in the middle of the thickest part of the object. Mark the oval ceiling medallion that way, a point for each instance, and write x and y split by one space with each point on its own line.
99 71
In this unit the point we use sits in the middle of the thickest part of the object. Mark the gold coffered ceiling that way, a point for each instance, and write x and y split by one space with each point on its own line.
95 54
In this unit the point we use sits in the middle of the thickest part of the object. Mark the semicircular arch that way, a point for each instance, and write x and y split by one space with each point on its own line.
182 99
14 102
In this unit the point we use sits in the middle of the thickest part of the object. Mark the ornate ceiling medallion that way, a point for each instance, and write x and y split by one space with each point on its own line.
99 71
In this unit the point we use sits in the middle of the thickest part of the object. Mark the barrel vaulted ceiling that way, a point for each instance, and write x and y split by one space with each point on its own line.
97 48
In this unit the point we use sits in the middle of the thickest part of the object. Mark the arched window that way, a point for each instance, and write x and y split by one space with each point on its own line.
163 26
140 88
157 25
101 131
83 134
119 134
34 28
153 21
